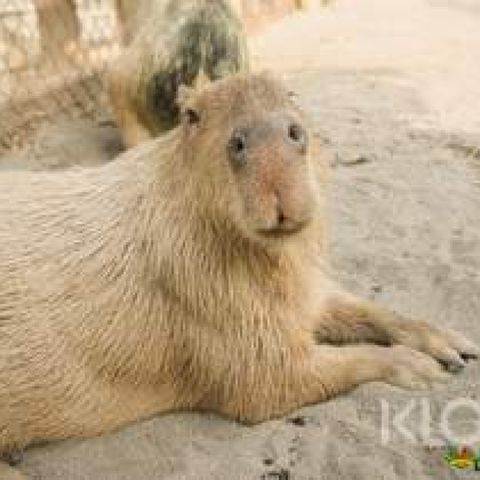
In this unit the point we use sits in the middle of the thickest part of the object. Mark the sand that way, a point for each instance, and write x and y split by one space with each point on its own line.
393 88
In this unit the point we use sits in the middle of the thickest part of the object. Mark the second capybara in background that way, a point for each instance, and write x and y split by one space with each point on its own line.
177 42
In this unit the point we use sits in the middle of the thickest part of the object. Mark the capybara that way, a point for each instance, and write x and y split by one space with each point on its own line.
179 42
190 274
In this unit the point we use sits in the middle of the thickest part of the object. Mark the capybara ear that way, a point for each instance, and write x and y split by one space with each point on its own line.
189 113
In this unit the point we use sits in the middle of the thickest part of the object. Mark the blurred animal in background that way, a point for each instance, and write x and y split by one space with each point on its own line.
172 43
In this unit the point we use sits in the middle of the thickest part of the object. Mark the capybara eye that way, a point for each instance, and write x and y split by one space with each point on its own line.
192 116
239 144
238 147
296 133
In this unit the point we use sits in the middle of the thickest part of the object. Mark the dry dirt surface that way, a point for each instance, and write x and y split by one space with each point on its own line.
393 88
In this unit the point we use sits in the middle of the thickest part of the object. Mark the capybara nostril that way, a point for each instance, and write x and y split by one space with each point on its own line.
281 218
297 135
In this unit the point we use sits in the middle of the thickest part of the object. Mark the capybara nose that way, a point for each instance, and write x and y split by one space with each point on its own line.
284 225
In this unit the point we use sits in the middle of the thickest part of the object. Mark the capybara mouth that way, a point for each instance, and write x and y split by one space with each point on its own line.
283 231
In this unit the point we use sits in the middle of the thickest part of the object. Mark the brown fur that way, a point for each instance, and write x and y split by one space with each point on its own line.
178 41
189 274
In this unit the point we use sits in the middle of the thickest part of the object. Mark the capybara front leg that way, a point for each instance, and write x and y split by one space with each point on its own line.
330 371
338 369
350 320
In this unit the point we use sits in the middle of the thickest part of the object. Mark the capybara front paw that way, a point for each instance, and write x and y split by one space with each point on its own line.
449 348
409 368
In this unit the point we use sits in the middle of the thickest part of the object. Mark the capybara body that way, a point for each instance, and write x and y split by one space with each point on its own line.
178 42
188 274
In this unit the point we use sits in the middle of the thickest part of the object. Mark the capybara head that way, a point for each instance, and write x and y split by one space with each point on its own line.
252 146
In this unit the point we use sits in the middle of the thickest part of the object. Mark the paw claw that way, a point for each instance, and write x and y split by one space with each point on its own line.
451 360
466 348
450 348
469 356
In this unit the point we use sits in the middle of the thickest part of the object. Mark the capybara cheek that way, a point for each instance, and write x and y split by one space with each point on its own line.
305 201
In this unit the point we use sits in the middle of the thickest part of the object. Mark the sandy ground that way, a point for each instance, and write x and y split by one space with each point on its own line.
393 88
